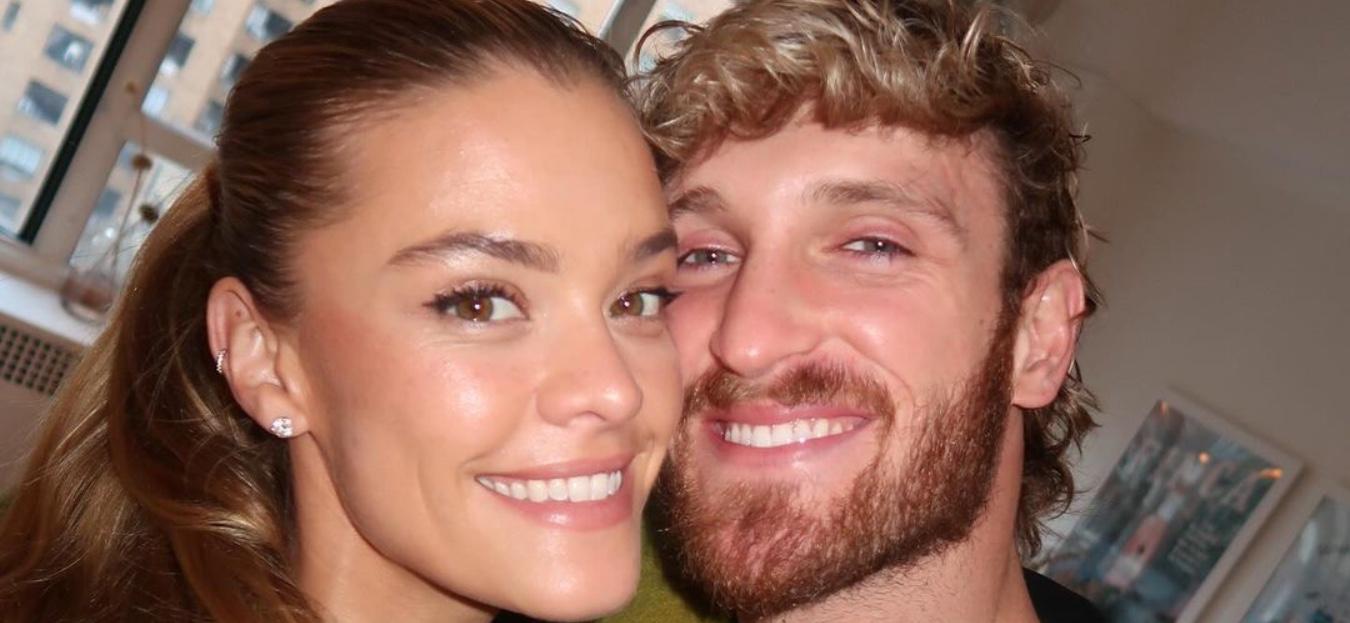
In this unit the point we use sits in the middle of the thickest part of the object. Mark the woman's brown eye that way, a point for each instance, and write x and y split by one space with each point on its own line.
630 304
642 303
477 305
474 308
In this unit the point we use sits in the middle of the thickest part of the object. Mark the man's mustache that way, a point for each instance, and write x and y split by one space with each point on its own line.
808 384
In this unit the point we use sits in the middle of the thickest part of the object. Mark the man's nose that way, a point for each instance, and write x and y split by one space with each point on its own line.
766 321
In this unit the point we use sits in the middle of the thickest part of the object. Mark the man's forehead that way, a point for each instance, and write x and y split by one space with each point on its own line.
802 155
912 199
946 180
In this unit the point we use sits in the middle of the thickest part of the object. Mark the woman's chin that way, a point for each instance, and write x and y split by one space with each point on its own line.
595 600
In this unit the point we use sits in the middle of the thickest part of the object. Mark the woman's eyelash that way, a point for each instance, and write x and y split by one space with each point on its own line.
665 294
445 302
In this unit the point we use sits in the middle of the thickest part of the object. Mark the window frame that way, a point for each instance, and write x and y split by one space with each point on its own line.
107 116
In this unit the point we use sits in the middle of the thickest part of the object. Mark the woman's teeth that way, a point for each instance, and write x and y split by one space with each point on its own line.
592 488
796 431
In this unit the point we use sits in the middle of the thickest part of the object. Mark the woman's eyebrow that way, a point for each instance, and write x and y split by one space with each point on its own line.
528 254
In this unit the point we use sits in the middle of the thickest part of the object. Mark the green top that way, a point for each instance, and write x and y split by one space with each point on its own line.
656 601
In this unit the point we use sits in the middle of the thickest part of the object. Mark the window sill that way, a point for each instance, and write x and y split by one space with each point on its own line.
40 308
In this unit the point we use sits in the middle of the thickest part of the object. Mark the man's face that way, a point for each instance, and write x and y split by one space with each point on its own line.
842 330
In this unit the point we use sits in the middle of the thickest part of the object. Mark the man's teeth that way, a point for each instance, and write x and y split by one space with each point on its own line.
592 488
796 431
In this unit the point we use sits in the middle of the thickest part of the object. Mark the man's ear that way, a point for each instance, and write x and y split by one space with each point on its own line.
249 354
1047 335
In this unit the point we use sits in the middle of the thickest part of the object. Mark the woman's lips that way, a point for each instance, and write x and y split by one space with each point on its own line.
583 495
584 488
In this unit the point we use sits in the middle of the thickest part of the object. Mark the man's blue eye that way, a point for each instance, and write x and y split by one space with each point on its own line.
876 246
707 257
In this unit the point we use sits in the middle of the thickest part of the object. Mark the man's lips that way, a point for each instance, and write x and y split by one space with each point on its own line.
772 426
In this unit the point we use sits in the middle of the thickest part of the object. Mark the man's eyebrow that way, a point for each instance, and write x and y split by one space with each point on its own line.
696 200
654 244
849 192
528 254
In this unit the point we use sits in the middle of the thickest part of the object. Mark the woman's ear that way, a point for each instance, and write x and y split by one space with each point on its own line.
249 353
1047 335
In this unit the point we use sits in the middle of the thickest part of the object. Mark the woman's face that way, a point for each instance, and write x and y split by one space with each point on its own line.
490 384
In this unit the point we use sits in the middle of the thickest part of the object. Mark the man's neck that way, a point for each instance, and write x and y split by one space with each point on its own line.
952 587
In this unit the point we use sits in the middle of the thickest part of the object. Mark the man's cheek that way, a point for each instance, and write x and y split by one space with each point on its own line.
692 319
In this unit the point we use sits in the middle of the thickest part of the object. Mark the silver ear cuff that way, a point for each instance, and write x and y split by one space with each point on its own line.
220 360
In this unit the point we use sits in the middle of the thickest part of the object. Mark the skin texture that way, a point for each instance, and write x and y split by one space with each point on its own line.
879 251
400 403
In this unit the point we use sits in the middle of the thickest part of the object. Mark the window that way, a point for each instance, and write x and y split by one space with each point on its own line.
264 25
107 203
9 212
208 121
177 55
60 47
158 188
11 14
695 11
68 49
47 58
566 6
90 11
19 159
154 101
43 103
232 70
99 231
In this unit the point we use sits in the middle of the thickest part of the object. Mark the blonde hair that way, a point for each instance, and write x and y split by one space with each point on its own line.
150 494
949 69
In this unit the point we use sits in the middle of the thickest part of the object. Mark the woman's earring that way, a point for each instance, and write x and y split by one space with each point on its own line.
220 360
282 427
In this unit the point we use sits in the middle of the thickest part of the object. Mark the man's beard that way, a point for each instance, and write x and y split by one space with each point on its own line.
752 549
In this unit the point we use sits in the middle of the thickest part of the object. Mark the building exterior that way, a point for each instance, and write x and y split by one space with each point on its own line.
49 50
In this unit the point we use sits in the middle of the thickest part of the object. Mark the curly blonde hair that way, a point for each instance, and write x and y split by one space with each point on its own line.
949 69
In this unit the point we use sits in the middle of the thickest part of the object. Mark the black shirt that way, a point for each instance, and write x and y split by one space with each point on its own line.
1056 604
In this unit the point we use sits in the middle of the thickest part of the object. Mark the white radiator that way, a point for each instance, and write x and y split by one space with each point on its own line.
39 345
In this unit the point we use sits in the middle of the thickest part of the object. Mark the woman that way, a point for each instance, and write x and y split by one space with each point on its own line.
394 356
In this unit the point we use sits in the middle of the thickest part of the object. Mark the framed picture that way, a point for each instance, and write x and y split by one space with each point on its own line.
1173 516
1312 582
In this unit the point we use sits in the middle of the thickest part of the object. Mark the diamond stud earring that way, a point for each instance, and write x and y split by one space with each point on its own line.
220 360
282 427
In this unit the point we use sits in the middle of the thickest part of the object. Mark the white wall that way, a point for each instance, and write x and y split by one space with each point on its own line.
1226 272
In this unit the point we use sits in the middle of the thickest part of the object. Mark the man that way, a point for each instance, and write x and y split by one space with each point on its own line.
882 292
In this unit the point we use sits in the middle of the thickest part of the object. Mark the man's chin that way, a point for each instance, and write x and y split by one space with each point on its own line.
770 546
767 527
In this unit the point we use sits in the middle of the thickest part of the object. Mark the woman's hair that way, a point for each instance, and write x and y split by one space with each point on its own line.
945 67
150 495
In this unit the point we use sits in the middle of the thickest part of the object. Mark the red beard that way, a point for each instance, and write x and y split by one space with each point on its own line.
754 550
